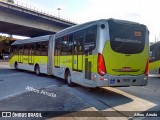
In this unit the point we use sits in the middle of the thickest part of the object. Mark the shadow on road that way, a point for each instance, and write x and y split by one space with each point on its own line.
68 99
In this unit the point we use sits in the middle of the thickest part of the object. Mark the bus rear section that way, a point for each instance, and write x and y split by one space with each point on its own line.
124 59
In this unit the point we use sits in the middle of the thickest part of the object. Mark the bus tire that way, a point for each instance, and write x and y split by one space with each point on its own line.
69 79
16 66
37 70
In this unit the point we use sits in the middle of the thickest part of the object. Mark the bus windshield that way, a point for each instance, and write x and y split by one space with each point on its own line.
127 38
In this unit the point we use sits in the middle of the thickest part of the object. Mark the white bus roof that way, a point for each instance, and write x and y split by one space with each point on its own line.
88 24
30 40
71 30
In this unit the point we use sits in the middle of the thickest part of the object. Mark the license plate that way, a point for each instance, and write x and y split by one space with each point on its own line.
126 80
126 69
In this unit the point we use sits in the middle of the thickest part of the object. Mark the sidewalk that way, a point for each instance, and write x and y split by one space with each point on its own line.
4 62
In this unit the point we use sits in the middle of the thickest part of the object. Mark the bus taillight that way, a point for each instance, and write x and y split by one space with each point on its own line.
147 67
101 65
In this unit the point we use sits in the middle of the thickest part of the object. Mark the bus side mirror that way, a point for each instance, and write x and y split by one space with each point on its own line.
152 56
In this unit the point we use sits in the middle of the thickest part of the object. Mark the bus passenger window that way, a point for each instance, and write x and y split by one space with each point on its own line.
78 43
64 48
21 49
75 45
57 47
44 48
70 44
15 50
38 49
80 48
26 49
90 41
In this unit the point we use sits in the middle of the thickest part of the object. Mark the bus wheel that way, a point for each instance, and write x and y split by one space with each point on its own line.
37 70
69 79
16 65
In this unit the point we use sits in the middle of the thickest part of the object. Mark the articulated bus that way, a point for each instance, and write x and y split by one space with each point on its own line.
154 66
100 53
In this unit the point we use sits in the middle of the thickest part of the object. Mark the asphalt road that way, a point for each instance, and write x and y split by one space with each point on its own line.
16 95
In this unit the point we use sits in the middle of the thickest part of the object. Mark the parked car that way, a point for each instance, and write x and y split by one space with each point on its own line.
5 56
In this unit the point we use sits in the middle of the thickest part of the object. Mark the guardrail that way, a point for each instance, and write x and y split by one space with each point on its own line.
34 9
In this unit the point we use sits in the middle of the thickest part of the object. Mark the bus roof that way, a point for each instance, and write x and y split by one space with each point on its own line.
72 29
85 25
30 40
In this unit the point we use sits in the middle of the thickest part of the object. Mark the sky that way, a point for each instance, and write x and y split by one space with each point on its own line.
80 11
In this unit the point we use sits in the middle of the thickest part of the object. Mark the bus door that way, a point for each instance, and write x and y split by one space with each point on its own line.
88 64
31 54
57 52
78 52
89 46
20 54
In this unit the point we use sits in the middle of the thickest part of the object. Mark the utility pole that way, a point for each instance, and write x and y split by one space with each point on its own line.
155 39
59 9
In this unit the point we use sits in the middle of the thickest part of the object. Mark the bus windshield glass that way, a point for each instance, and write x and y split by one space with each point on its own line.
127 38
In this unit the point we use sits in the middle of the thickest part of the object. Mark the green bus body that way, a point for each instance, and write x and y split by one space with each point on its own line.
154 66
95 54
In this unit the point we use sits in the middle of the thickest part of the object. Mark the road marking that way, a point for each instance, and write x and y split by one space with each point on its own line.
52 86
18 93
12 95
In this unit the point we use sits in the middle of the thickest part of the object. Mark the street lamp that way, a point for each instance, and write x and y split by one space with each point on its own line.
59 11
